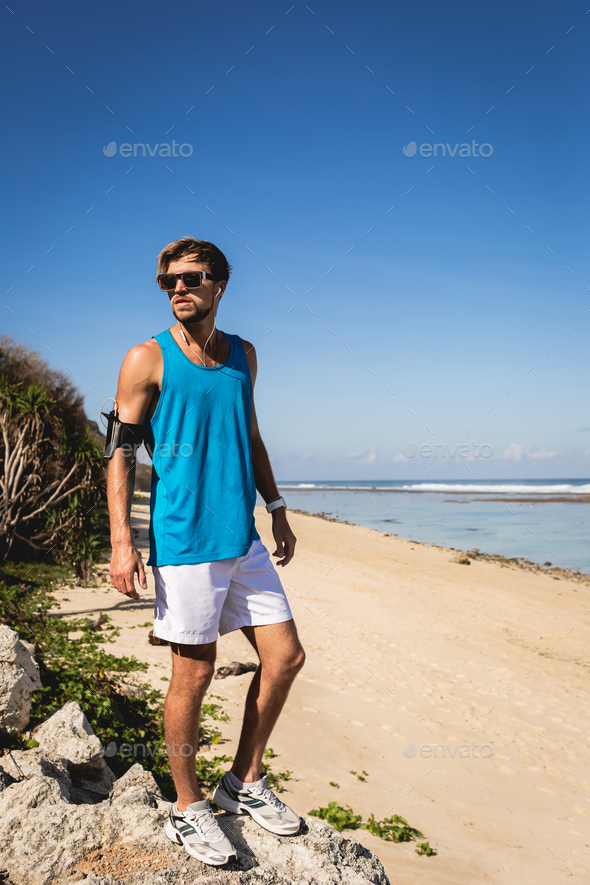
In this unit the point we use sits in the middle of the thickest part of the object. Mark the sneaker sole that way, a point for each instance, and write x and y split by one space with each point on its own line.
175 836
239 808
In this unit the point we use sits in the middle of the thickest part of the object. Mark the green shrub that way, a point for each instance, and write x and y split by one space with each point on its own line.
209 771
211 734
275 779
424 848
340 818
392 829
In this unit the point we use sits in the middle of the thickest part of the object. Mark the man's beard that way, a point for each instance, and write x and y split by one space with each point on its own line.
197 315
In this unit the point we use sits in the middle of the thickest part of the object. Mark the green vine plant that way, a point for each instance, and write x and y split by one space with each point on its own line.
390 829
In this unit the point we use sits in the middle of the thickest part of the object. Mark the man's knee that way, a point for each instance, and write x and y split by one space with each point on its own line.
192 674
283 662
296 660
191 686
204 673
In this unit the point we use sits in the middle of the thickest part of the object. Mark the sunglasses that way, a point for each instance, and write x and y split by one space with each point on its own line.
192 279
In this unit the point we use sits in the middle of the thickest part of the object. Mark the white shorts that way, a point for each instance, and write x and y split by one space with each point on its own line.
195 602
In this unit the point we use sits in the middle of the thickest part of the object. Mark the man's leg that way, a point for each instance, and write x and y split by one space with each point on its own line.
281 657
192 671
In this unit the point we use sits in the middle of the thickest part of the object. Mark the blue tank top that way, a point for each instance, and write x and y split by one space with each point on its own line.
203 491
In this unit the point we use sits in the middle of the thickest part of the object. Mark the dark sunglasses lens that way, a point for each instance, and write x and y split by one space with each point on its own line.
192 280
167 281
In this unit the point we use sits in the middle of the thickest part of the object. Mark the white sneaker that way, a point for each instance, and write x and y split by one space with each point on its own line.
199 832
259 801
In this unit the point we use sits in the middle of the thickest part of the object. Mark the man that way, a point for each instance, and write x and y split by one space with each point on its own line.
191 387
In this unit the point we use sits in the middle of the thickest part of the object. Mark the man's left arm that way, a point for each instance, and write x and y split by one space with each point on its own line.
265 481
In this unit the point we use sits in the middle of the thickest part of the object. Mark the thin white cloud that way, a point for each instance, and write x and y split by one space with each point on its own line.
365 457
522 452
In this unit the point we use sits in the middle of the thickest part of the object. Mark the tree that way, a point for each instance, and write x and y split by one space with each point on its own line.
51 465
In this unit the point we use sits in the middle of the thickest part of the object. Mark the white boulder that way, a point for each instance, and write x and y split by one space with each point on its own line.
19 678
69 734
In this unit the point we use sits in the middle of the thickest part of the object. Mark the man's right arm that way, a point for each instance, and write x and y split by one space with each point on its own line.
136 389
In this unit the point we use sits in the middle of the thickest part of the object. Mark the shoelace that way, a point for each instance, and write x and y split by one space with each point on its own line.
268 795
205 824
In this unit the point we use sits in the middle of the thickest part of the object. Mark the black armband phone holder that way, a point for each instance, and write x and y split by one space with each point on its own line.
121 435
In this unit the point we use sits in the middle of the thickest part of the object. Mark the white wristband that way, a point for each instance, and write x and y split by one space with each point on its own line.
278 502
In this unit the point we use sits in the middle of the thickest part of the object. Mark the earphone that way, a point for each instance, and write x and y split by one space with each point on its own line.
218 295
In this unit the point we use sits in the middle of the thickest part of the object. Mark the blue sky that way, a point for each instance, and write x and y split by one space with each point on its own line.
421 317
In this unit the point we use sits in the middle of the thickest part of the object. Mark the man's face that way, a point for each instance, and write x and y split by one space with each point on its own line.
192 305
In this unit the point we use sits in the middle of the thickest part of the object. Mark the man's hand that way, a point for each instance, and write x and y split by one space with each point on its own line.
125 562
284 537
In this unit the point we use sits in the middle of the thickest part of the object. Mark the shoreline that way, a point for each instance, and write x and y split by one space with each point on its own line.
475 553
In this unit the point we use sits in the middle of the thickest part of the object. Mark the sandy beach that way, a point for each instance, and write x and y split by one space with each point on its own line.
406 647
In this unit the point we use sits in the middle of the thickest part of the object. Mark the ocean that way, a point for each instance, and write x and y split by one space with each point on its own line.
539 520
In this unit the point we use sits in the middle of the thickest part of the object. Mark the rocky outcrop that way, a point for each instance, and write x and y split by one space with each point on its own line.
68 735
28 764
49 837
136 787
19 678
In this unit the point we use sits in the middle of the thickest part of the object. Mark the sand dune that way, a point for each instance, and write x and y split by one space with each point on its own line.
405 647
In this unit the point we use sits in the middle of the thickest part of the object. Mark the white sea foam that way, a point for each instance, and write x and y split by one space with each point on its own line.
458 487
507 489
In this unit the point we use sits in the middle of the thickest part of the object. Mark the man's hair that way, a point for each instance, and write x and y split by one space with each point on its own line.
203 250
